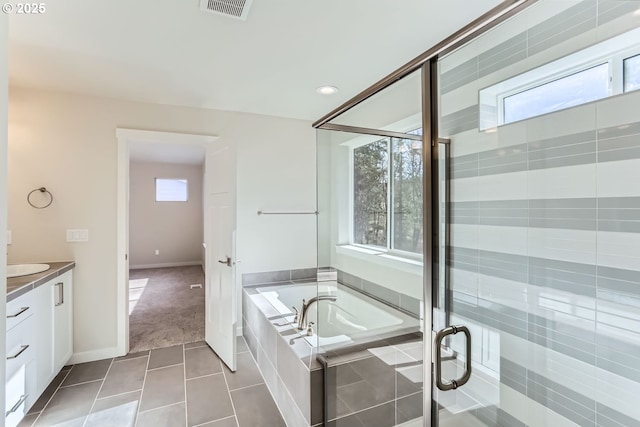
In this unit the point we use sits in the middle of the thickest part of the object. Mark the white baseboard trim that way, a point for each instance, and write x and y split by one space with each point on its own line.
165 264
93 355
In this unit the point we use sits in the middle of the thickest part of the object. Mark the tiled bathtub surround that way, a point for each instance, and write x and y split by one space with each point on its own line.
390 297
295 377
378 384
287 362
249 279
544 255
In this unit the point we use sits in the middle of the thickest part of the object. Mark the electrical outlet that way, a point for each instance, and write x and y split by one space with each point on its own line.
78 235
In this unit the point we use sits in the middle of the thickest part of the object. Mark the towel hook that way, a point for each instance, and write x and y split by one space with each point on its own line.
42 190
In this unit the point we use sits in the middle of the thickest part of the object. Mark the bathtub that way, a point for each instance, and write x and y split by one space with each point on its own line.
352 317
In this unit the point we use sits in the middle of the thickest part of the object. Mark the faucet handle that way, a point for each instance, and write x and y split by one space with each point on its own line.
297 314
310 329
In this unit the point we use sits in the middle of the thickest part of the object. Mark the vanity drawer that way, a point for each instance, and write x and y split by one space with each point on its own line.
20 345
19 309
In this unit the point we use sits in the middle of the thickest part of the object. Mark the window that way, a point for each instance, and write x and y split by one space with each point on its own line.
171 190
608 68
575 89
631 73
387 194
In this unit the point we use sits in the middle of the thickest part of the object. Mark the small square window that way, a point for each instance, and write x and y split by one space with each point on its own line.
171 190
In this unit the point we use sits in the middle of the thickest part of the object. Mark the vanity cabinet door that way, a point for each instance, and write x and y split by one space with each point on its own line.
62 319
43 297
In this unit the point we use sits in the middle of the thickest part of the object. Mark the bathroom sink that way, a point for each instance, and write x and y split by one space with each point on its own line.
16 270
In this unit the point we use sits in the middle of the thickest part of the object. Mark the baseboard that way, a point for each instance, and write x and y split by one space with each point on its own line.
93 355
165 265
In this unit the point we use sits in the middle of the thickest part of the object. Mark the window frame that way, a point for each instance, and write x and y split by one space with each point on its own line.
390 247
612 51
155 188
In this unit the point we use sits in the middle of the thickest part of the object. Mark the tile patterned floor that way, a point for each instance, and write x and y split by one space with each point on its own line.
182 385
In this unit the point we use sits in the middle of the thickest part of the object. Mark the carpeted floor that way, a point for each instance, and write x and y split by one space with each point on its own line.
163 309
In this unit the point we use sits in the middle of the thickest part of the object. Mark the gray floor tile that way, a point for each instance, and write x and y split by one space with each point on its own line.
195 344
201 394
115 411
168 416
116 401
70 405
226 422
201 361
241 345
28 420
163 387
48 392
246 375
255 407
85 372
166 357
124 376
133 355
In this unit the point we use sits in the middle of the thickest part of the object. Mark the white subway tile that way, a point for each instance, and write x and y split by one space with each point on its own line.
565 182
464 235
511 240
464 189
565 245
508 186
618 110
619 179
619 250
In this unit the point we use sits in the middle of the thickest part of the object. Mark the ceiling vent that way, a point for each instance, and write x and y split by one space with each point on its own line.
233 8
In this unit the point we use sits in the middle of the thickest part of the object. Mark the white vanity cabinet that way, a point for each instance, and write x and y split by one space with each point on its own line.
21 366
62 320
39 342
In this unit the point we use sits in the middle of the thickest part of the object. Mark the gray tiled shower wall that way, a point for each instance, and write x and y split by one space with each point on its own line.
266 277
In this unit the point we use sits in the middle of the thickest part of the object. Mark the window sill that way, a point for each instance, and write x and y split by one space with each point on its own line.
381 258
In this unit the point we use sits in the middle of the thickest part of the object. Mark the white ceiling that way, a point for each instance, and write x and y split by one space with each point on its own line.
170 52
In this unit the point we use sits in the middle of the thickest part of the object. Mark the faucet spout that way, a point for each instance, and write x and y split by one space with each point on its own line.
305 307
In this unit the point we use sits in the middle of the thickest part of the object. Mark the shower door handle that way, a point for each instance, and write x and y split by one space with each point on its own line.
452 384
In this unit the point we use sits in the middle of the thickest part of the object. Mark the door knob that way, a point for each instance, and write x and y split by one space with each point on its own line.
226 261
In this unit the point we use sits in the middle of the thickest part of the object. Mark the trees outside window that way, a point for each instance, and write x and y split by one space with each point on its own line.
387 194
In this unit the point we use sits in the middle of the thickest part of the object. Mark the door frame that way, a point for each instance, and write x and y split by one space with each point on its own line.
125 137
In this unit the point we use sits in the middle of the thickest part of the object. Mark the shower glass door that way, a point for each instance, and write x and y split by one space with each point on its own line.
536 295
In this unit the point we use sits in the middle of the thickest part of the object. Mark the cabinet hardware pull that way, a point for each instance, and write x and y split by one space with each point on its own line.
15 407
22 349
22 310
60 293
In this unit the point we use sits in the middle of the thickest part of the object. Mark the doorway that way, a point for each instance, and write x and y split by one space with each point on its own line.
219 294
166 256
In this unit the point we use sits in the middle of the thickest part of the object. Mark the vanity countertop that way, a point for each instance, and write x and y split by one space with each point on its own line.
17 286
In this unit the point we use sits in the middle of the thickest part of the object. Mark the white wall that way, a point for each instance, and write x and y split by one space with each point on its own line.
173 228
67 143
4 86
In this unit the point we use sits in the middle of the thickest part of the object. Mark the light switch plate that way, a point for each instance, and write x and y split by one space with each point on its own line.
77 235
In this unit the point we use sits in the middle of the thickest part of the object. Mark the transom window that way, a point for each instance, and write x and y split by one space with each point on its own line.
171 190
608 68
387 194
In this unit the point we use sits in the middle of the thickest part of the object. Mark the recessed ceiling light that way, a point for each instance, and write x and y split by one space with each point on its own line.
327 90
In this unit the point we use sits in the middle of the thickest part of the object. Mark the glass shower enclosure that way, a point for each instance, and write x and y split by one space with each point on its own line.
519 271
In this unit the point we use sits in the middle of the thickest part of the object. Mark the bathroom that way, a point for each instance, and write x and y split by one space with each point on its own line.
529 224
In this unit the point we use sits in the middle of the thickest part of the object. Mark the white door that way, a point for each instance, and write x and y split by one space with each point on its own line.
219 229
